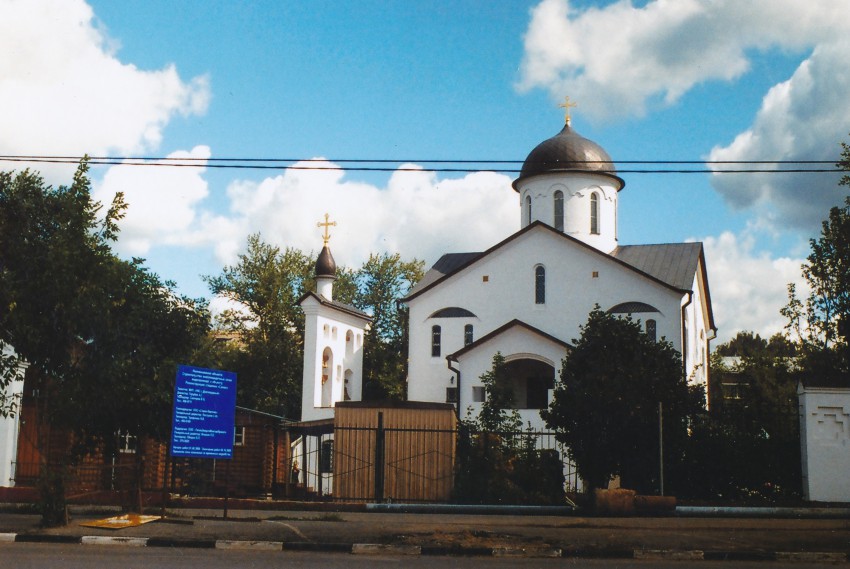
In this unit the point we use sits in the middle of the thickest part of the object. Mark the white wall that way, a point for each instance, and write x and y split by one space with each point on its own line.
9 429
327 328
508 293
825 442
577 189
515 343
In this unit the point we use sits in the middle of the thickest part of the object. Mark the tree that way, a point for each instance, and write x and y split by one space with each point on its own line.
497 461
605 405
381 282
265 285
746 446
748 344
821 322
101 335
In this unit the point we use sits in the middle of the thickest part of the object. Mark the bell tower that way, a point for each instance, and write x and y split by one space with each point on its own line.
333 342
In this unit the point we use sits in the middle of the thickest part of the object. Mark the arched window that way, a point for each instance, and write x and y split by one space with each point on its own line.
594 213
435 341
651 329
540 284
467 334
528 210
559 210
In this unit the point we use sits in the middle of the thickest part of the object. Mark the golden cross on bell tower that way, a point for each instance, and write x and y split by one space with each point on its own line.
326 225
567 104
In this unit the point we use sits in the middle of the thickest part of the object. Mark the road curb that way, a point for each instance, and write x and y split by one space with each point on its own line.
526 552
811 557
385 549
416 550
246 544
114 540
669 554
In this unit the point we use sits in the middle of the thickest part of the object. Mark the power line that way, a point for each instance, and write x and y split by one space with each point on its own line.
377 165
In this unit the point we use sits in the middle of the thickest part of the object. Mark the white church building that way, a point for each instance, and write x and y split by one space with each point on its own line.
527 295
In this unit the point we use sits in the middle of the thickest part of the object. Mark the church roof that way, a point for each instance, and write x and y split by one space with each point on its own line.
341 306
568 151
672 265
445 265
515 323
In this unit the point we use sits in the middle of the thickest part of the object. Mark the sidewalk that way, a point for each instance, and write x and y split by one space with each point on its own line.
462 534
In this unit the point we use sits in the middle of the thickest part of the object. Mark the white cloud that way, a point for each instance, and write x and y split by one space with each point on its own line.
416 214
624 60
618 58
802 118
161 200
64 90
748 288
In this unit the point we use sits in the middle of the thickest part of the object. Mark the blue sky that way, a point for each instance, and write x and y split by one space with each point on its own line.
471 80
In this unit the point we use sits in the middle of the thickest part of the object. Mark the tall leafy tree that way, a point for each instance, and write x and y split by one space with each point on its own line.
821 322
381 282
265 285
101 335
746 446
605 406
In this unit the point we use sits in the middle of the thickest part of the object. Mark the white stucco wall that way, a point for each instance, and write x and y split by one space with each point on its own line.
9 429
576 279
577 189
515 343
825 443
327 328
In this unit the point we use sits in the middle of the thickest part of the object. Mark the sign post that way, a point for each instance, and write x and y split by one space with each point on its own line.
204 414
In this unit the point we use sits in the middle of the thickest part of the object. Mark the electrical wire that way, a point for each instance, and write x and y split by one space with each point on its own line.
377 165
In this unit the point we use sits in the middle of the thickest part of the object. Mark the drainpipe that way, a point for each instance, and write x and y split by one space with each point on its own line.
457 382
684 339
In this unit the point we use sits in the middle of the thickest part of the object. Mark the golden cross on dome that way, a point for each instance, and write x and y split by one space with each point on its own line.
326 225
567 104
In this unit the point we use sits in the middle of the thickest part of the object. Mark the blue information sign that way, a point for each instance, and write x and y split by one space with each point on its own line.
204 413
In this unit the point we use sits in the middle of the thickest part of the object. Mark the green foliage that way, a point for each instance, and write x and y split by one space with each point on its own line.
53 505
605 406
381 282
821 322
101 335
746 447
497 461
499 397
747 344
266 284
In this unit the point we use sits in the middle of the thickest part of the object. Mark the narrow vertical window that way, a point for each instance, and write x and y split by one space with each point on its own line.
540 285
559 210
528 210
594 213
651 329
435 341
467 334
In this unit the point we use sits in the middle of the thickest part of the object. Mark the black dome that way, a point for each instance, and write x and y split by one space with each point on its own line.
325 264
568 151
